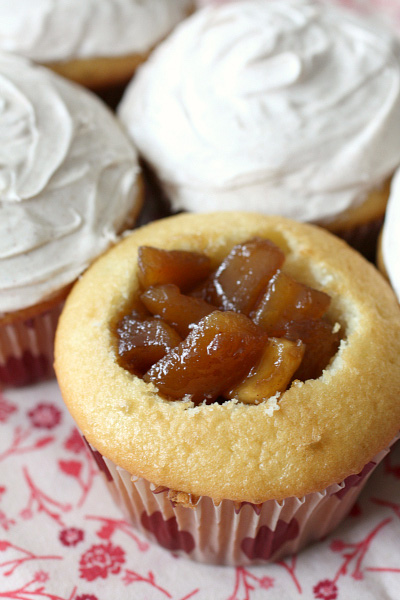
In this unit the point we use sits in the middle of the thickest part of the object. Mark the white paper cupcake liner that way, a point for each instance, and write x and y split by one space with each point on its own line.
27 348
363 238
232 533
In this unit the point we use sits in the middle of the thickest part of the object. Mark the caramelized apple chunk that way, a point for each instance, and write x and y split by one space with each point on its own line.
184 269
321 340
217 353
176 309
243 276
279 361
288 300
143 342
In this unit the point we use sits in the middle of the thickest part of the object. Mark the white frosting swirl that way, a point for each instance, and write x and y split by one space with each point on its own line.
391 236
288 108
68 182
59 30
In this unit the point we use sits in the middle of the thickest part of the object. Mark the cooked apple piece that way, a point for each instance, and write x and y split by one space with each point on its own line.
176 309
242 277
216 354
288 300
137 311
207 291
141 343
184 269
321 340
279 361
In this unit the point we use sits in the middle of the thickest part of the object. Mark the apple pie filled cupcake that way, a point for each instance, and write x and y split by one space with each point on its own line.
97 43
237 378
289 108
69 184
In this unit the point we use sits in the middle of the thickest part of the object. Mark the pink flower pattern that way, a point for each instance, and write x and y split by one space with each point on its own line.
101 560
41 576
6 522
45 416
117 554
71 536
325 590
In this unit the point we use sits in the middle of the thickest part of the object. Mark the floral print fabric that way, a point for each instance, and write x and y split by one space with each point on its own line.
62 537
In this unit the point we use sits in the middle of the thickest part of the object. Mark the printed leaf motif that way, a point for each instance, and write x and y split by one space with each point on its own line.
70 467
6 409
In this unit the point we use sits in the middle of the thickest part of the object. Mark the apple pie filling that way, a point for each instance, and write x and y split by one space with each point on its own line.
243 331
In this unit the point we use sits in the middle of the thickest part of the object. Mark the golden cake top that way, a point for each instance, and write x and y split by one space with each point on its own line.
325 429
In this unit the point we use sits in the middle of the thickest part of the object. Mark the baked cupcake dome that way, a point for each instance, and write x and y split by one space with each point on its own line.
286 108
97 43
69 183
325 430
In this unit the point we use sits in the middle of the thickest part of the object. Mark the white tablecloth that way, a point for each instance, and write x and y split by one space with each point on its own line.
62 538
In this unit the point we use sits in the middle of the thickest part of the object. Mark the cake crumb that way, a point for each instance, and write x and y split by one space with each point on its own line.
183 499
271 405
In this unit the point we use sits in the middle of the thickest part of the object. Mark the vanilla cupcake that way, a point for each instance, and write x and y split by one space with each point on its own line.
289 108
389 243
97 43
69 183
237 480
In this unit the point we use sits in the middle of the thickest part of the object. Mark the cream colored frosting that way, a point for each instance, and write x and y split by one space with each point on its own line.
68 182
59 30
288 108
391 236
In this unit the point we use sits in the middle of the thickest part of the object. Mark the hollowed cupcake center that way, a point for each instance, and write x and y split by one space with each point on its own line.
243 331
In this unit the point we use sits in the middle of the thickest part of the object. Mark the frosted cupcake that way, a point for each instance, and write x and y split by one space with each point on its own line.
286 108
389 247
97 43
69 183
213 449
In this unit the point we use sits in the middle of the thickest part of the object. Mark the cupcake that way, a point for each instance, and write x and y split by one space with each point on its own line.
69 184
282 108
95 43
389 244
232 472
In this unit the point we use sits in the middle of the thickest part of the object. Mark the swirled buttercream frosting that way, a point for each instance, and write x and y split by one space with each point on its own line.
60 30
288 108
68 182
391 236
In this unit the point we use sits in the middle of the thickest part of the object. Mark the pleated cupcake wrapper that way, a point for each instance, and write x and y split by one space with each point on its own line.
363 238
228 532
27 348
